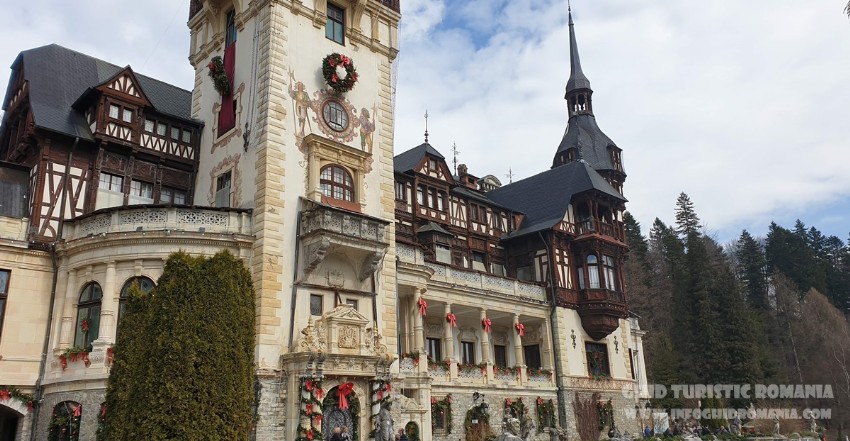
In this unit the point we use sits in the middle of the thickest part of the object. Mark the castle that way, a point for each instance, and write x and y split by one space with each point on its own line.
387 278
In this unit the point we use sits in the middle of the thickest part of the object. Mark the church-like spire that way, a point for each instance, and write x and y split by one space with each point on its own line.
577 78
578 86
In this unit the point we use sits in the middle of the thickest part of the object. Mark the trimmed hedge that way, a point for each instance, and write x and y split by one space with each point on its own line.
183 366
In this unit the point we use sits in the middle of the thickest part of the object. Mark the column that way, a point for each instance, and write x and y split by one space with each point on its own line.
66 325
485 339
448 336
546 345
59 311
518 352
108 316
419 332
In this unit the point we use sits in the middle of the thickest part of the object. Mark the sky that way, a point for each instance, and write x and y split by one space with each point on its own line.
743 105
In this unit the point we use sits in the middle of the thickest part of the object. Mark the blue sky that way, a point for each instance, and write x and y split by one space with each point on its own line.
742 105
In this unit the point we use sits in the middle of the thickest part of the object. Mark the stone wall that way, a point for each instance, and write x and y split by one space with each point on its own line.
463 402
271 409
90 399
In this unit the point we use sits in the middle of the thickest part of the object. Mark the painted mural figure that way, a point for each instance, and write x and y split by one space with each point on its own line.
302 102
367 127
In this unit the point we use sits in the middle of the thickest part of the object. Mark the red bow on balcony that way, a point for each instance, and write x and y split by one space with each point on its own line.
422 306
5 394
451 319
343 391
521 329
486 322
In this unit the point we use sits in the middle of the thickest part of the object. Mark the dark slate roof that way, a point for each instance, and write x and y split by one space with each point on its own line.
431 226
58 76
577 78
584 133
478 196
545 197
404 162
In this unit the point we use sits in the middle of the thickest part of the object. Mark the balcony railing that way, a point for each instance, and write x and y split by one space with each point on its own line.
160 218
601 295
327 219
595 226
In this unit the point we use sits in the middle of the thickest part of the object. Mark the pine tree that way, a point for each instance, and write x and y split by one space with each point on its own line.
637 243
687 221
752 270
183 366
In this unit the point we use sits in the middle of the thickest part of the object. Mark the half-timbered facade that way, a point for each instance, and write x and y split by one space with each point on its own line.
378 275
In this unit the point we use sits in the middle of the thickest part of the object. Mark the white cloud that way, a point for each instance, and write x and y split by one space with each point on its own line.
743 105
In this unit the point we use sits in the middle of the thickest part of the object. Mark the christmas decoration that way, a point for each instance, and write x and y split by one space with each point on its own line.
486 323
423 305
329 72
521 329
451 318
219 76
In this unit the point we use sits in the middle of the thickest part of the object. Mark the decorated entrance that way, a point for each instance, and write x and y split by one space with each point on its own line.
341 408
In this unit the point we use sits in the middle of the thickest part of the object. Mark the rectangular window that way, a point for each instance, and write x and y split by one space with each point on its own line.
149 125
597 360
114 111
434 348
420 195
222 190
111 182
400 193
187 136
352 303
439 419
632 364
532 356
441 201
473 213
442 254
610 272
335 25
315 304
498 269
5 275
141 189
500 355
525 273
127 116
172 196
478 261
467 352
230 36
175 133
160 129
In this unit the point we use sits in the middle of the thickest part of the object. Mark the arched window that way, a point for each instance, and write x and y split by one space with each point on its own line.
65 421
337 183
145 285
592 271
88 316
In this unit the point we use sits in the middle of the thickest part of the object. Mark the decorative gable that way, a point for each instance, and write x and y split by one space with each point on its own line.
435 168
126 86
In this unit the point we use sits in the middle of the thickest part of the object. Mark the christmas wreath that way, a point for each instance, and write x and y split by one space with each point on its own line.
219 76
329 65
442 407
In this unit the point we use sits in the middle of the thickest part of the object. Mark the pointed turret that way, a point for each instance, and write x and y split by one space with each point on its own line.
577 81
583 139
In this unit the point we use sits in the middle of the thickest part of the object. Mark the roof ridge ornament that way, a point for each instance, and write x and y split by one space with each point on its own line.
426 126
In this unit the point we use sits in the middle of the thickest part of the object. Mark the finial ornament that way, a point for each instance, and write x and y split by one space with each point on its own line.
426 125
510 176
455 152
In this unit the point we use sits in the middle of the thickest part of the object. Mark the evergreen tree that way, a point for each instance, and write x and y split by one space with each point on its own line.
817 242
752 268
687 221
637 243
183 368
790 254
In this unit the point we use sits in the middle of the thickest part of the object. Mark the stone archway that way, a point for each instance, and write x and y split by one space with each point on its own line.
336 417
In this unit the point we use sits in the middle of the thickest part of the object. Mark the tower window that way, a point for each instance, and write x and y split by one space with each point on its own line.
222 190
230 38
597 360
335 25
88 316
610 272
337 183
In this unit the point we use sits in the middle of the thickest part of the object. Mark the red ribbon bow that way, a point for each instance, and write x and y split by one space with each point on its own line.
78 410
451 318
521 328
422 306
508 401
5 394
342 392
486 322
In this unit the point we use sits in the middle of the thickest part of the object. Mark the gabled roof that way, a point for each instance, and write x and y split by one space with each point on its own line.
406 161
583 133
431 226
58 76
544 198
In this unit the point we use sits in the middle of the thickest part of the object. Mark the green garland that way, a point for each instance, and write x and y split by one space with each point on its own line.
443 407
606 414
545 408
517 410
219 76
12 393
310 409
512 369
412 431
380 389
67 421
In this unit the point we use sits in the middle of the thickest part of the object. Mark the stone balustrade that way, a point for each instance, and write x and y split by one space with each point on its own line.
160 218
327 219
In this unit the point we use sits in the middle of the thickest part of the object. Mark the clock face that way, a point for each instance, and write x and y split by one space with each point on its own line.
335 116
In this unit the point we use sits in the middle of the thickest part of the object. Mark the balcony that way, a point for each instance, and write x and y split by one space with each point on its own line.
327 230
600 311
595 227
